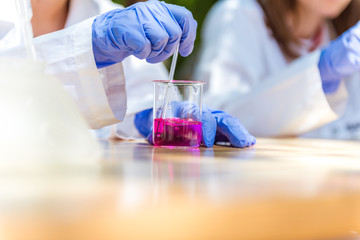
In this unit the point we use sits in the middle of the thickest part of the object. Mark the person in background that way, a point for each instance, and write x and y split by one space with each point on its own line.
100 59
285 67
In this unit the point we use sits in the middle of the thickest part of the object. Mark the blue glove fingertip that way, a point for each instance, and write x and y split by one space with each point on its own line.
185 51
150 138
209 126
188 25
208 137
239 143
207 143
253 142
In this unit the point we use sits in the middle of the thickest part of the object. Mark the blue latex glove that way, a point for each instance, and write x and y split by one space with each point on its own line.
148 30
340 59
217 126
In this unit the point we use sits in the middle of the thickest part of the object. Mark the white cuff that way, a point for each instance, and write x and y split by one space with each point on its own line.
99 112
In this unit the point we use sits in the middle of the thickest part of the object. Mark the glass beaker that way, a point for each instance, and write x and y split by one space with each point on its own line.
177 113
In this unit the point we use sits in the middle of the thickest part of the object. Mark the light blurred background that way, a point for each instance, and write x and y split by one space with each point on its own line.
199 8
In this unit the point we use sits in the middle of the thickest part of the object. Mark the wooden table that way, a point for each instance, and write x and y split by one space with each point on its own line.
279 189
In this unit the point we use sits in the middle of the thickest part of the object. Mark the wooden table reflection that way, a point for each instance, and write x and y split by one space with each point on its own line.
280 189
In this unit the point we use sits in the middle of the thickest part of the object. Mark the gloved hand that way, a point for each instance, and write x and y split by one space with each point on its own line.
340 59
148 30
217 126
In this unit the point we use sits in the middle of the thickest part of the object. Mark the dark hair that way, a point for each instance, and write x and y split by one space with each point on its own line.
275 19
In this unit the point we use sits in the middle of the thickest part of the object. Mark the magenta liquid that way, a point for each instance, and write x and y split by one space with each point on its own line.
175 132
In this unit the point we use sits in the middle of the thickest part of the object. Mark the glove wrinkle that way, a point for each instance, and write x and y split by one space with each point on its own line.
148 30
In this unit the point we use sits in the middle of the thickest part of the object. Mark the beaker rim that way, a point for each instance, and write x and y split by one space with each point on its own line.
179 81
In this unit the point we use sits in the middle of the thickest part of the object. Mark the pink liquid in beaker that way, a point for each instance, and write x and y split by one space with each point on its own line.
175 132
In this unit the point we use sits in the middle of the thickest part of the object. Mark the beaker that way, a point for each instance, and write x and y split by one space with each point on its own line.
177 113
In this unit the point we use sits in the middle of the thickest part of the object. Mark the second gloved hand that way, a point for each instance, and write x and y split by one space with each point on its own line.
149 30
340 59
217 126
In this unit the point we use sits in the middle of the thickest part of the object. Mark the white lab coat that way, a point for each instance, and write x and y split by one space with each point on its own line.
103 96
248 76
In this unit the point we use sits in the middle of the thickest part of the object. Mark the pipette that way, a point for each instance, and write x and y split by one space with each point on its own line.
173 64
171 78
24 12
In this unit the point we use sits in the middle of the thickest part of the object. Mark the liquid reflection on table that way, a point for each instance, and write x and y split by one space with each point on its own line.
280 189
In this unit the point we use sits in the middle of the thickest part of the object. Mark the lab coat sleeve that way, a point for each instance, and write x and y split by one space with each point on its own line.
139 88
236 56
99 94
